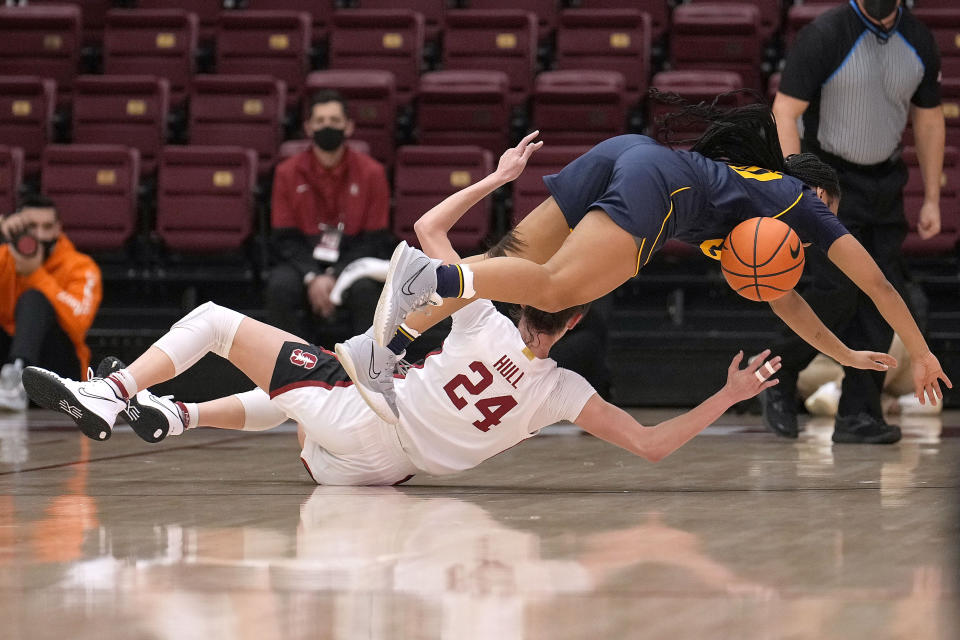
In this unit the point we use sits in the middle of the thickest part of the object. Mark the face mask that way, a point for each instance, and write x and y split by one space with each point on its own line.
328 138
48 246
879 9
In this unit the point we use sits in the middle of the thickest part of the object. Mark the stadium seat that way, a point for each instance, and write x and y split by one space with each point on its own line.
208 12
93 14
373 105
658 10
946 240
125 110
320 12
612 40
244 111
11 177
26 116
425 175
41 41
95 188
386 40
579 107
773 85
529 189
769 16
205 197
799 16
546 11
464 107
693 86
494 40
718 37
433 12
273 43
950 94
293 147
160 43
945 26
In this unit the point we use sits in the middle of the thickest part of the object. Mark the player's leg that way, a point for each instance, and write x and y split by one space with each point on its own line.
248 411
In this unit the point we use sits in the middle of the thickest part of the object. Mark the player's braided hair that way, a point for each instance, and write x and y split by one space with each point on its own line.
745 134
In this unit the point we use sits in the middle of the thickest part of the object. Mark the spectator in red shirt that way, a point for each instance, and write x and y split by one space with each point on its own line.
330 206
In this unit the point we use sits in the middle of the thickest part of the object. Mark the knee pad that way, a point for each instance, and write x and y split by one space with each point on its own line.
207 328
259 413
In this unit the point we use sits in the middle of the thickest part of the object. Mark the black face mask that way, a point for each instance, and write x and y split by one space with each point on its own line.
879 9
328 138
48 246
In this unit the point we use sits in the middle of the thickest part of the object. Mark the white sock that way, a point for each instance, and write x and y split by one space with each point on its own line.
123 384
413 333
207 328
468 290
191 414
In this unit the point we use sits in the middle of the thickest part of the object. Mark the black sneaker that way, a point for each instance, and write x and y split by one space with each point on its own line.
779 411
864 428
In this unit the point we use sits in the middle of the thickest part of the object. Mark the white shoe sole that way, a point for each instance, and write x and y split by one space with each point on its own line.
50 393
381 317
376 403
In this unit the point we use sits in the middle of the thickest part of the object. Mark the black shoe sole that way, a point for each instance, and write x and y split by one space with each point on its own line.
48 392
148 421
890 437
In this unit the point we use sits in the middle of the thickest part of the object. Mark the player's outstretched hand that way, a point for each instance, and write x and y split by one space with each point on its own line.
743 384
872 360
514 160
927 374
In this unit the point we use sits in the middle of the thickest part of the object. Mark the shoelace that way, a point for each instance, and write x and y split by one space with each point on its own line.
403 366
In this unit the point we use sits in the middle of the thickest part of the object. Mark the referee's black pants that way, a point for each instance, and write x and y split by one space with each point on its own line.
871 208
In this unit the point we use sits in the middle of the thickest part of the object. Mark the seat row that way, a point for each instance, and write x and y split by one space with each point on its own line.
205 194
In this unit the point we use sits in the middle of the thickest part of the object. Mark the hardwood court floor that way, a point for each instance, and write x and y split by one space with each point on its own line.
739 535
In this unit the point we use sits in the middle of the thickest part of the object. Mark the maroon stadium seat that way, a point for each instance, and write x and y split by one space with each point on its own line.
433 12
95 188
945 26
658 10
293 147
546 11
41 41
528 189
494 40
769 16
273 43
800 15
385 40
464 107
612 40
93 14
125 110
11 177
245 111
773 85
373 105
208 12
946 240
205 197
579 107
693 86
426 175
26 116
160 43
320 12
718 37
950 94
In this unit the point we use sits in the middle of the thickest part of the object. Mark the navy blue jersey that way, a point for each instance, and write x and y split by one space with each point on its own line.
656 193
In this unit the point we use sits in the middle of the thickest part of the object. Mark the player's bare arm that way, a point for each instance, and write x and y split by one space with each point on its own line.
616 426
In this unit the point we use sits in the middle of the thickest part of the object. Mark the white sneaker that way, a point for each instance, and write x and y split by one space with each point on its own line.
93 405
910 406
411 283
151 417
13 397
371 367
824 401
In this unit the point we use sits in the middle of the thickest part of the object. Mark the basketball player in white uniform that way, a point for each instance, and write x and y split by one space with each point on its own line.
491 386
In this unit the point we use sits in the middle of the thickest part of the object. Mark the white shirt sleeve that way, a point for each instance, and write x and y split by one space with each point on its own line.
569 396
473 316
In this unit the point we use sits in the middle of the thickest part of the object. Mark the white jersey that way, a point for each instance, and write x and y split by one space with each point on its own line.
481 394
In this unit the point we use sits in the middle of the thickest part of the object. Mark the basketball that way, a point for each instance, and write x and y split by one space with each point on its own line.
762 259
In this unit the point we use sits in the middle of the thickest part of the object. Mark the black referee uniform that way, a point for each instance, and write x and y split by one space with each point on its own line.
859 81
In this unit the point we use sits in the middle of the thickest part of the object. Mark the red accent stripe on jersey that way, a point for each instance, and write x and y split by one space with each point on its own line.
308 383
307 467
399 482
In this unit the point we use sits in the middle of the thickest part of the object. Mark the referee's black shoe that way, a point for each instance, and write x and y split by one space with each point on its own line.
864 428
779 411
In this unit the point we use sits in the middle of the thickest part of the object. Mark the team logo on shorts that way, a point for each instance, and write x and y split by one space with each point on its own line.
301 358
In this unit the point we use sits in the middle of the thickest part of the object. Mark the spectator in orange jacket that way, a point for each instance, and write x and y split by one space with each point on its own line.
49 295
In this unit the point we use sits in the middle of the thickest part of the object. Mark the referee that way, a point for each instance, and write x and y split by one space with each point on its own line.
854 75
